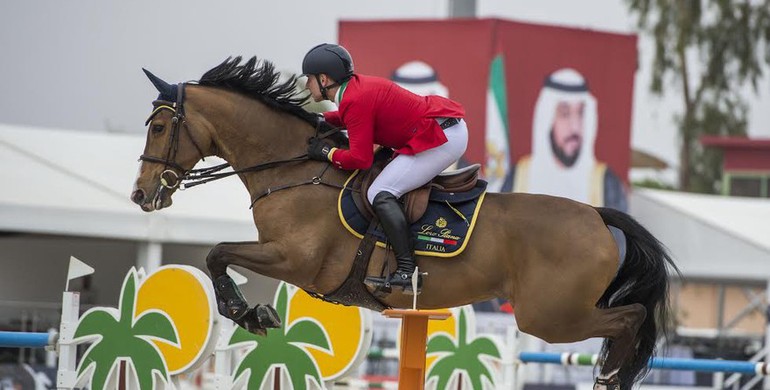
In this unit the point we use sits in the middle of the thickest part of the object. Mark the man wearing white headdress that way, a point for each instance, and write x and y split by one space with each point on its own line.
420 78
562 162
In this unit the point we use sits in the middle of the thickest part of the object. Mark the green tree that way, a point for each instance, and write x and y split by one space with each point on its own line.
461 355
708 50
117 335
281 347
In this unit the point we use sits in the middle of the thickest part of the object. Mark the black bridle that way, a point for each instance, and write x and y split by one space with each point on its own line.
193 177
177 123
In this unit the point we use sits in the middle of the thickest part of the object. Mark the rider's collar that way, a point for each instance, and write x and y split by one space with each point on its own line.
340 91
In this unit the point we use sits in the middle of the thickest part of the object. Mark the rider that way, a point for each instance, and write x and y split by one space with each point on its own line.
428 134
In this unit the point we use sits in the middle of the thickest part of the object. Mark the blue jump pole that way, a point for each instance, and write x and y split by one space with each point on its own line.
24 340
702 365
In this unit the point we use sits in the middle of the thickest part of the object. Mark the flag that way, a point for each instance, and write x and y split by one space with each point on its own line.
498 165
76 270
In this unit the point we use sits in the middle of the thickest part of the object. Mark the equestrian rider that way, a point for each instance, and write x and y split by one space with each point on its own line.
427 134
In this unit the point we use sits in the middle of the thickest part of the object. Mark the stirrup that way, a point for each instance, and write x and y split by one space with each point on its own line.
266 316
398 279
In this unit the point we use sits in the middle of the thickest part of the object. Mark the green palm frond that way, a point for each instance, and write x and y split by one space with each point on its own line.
462 328
308 332
484 346
440 343
103 363
156 325
282 302
145 362
442 370
127 298
94 322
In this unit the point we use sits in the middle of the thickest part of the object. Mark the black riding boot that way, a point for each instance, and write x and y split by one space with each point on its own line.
396 227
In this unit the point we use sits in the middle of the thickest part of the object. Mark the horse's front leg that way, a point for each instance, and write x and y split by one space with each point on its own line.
230 300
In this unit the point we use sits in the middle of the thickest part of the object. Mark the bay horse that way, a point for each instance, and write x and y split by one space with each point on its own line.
555 260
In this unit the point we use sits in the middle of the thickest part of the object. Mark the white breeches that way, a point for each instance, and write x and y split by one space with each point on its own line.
406 173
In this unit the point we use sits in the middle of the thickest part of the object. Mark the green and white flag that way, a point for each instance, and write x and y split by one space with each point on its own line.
498 158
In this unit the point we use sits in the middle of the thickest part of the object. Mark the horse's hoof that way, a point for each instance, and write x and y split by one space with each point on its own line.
259 319
266 316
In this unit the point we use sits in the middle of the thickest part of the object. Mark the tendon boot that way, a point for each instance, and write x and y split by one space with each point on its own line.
393 221
231 304
230 301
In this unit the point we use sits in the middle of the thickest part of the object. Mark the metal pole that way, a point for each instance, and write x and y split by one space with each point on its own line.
23 339
67 374
766 383
149 256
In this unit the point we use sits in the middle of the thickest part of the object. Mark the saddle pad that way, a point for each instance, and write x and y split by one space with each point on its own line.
444 229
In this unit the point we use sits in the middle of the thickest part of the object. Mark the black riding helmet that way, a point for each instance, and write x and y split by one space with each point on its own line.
333 60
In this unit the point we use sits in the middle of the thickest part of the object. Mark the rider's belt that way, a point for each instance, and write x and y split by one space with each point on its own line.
449 122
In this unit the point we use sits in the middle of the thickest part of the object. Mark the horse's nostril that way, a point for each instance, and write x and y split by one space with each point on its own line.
138 197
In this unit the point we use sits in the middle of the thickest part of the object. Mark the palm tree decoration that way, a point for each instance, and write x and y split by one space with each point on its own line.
117 335
461 355
281 347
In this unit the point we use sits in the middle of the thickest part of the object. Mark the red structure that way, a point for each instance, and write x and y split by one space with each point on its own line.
746 165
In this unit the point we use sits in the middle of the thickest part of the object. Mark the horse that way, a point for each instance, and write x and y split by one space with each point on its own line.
555 260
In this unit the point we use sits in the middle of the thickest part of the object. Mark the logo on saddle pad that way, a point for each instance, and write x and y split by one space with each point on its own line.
441 222
442 231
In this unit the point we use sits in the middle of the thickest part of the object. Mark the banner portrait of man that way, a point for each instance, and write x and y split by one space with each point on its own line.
564 131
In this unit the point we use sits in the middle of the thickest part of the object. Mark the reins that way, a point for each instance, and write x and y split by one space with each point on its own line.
194 177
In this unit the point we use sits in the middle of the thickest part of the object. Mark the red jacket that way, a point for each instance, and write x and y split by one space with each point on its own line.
378 111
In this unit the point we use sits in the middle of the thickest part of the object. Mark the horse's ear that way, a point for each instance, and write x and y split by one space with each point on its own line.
167 91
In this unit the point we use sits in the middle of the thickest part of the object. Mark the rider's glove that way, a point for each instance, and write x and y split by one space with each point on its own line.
320 150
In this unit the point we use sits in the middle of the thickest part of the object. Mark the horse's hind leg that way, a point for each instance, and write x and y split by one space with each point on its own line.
620 325
230 301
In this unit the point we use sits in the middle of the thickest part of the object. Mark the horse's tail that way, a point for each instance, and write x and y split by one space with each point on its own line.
643 278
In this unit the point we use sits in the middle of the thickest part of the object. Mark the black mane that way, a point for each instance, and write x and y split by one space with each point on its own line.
259 80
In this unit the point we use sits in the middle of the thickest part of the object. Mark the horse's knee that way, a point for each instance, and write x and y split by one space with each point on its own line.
215 260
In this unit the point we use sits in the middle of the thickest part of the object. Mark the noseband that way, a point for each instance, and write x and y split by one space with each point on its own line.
177 122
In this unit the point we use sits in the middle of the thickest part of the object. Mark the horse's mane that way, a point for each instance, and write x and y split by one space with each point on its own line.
259 80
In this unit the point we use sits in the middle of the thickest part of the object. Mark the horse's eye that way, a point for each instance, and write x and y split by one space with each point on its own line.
158 128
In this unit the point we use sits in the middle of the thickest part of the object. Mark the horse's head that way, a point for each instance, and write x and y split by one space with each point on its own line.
172 148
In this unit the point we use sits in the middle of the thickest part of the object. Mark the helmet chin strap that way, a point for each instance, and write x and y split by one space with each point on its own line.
324 88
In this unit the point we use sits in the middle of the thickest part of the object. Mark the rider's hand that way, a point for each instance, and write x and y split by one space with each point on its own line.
319 150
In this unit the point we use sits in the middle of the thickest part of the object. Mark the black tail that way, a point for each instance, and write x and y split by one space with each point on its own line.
643 279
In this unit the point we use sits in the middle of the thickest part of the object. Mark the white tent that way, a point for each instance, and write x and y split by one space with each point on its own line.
78 183
709 236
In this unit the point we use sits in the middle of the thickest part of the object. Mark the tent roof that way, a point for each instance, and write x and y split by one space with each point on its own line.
78 183
709 236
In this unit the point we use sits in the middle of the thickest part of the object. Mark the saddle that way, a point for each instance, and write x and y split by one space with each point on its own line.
415 201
